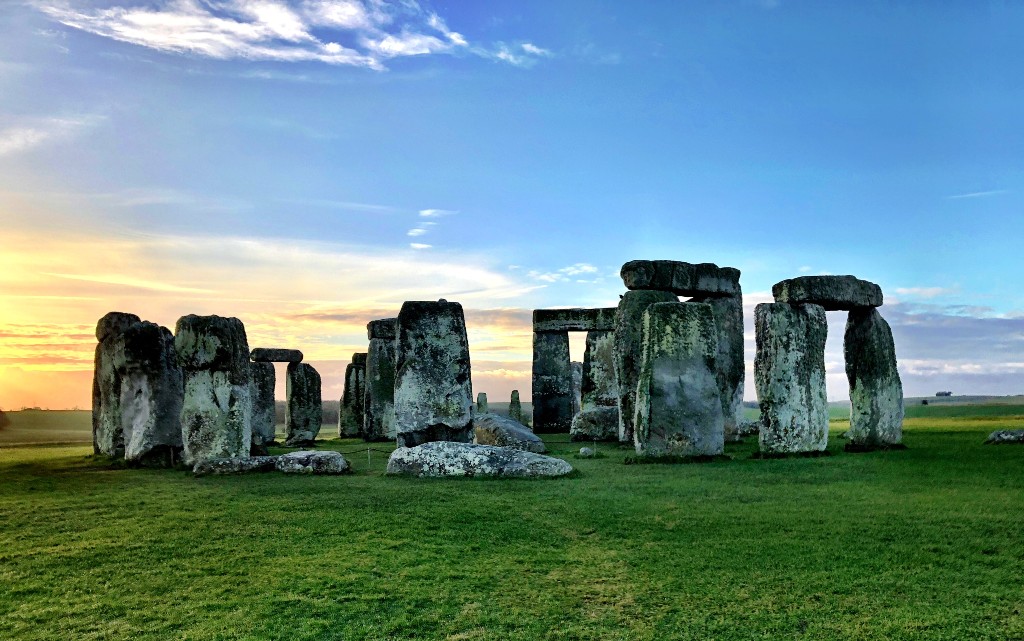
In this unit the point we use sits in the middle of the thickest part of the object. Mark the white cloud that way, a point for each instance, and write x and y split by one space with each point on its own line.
979 194
436 213
531 48
35 132
563 275
416 231
419 246
924 292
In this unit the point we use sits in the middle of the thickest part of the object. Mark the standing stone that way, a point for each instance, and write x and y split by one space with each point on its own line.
678 408
481 403
107 430
152 393
515 407
789 372
628 346
216 417
433 386
730 372
577 386
876 392
598 418
379 395
264 410
353 398
552 383
304 411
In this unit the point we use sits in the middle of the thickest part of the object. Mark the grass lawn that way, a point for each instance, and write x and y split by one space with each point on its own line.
926 543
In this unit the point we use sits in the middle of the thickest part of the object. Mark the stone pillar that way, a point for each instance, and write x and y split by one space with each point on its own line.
876 392
433 385
304 411
552 383
515 408
678 407
351 413
216 416
599 404
481 403
728 313
152 394
107 431
379 396
628 344
789 372
577 385
264 411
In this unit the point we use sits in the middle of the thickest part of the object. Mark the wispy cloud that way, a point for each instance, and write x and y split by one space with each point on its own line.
33 133
979 194
564 274
420 246
924 292
436 213
525 54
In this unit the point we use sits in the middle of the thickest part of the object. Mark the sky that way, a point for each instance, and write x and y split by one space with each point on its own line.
309 165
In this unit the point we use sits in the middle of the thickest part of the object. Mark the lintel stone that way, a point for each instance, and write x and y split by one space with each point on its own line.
682 279
275 355
831 292
574 319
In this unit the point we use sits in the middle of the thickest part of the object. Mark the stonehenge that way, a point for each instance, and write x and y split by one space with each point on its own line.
379 395
152 394
107 429
598 418
876 392
481 403
353 397
515 407
264 416
304 408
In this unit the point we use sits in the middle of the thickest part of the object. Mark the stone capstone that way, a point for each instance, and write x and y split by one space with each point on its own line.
682 279
574 319
351 412
305 462
275 355
264 411
596 424
304 409
481 403
493 429
447 459
515 407
876 392
831 292
678 408
1005 437
789 373
433 386
627 350
552 383
107 430
223 466
379 393
152 393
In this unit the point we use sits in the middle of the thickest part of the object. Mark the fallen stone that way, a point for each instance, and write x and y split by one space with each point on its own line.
876 392
447 459
552 383
351 413
275 355
678 408
574 319
433 384
747 428
831 292
586 452
493 429
789 373
596 424
304 410
152 394
107 429
481 403
321 463
222 466
730 369
1005 437
264 411
515 407
379 393
682 279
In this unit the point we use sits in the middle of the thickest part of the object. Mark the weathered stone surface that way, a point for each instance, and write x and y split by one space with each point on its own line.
114 323
446 459
152 393
107 430
304 409
598 387
351 414
627 349
379 395
383 328
552 383
1005 437
730 368
682 279
222 466
577 385
576 319
596 424
433 386
275 355
305 462
264 418
876 392
678 408
831 292
789 373
515 407
481 403
493 429
586 452
216 416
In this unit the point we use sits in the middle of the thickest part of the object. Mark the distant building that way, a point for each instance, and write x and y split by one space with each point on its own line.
943 393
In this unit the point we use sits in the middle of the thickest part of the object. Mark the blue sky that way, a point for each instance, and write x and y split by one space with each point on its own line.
307 166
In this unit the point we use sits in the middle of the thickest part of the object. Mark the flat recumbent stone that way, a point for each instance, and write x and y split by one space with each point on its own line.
682 279
275 355
831 292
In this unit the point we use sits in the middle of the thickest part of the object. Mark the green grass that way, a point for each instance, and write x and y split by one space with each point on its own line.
924 543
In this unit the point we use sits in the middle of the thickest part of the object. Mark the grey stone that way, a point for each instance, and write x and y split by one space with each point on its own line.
586 452
320 463
876 392
351 414
598 387
304 409
114 324
628 346
379 395
577 384
152 394
596 424
216 416
747 428
552 383
493 429
1005 437
107 430
831 292
264 411
275 355
789 373
447 459
574 319
433 385
383 328
730 368
678 407
223 466
682 279
515 407
481 403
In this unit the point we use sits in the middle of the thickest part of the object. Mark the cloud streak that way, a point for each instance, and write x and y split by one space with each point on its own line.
37 132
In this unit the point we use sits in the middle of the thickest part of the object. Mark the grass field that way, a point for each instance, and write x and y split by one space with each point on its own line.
926 543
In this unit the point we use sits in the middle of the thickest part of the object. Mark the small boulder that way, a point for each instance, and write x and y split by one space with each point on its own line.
307 462
596 424
586 452
494 429
222 466
446 459
1005 437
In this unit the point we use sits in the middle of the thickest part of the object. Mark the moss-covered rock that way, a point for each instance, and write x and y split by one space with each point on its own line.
304 409
876 392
